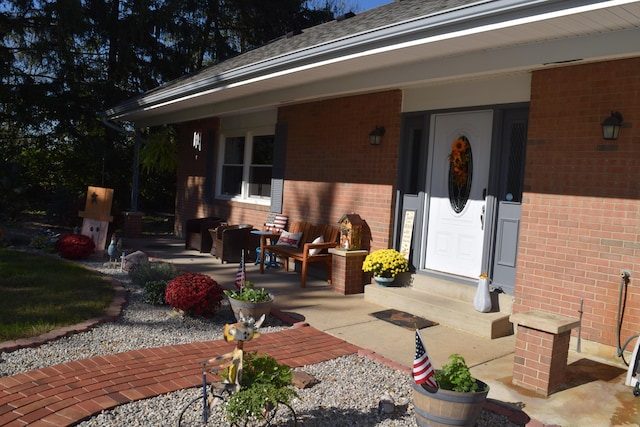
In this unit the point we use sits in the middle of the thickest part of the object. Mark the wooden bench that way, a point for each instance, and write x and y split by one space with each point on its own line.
301 253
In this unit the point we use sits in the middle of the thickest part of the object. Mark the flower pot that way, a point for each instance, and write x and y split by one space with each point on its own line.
250 309
448 408
384 281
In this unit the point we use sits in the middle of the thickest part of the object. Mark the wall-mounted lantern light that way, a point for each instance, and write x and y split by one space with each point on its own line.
611 126
375 137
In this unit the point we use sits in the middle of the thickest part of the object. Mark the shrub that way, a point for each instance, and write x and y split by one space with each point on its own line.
264 383
153 277
154 292
152 272
42 243
195 294
75 246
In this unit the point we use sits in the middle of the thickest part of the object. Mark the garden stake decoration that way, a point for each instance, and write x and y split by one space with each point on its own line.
96 216
244 330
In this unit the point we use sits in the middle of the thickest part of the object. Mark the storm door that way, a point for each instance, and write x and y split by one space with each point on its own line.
459 172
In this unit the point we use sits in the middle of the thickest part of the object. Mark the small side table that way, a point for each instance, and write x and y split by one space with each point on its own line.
272 260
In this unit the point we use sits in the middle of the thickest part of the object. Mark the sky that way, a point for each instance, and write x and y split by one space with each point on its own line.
369 4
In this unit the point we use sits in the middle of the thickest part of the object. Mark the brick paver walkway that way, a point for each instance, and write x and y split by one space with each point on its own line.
62 395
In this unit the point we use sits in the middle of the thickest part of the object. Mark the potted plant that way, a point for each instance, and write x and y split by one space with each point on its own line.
251 301
385 264
458 400
265 384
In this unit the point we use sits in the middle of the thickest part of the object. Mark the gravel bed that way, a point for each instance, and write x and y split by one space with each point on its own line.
347 393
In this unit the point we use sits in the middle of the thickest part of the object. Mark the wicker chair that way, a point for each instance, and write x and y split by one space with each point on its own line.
230 240
196 235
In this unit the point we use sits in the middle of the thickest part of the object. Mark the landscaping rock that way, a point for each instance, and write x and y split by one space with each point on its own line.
303 380
134 260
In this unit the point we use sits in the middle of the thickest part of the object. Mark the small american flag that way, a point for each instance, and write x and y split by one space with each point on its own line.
241 275
423 372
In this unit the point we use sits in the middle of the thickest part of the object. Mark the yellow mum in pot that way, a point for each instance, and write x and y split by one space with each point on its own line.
385 263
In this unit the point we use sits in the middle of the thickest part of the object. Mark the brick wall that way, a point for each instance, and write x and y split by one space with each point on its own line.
540 360
332 169
190 191
581 208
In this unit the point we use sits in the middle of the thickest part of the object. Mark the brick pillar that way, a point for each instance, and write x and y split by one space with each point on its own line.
132 224
542 350
347 271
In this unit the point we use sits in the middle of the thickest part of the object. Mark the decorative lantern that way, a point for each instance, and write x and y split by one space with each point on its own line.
611 126
351 231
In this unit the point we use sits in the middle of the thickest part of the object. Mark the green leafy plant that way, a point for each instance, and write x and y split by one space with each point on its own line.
154 292
456 376
265 383
154 277
385 263
195 294
43 243
153 271
75 246
249 293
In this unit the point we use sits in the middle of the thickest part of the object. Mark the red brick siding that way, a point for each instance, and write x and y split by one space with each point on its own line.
540 360
331 169
581 209
321 202
347 275
190 201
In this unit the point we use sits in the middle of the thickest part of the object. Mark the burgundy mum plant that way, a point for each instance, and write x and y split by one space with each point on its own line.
195 294
75 246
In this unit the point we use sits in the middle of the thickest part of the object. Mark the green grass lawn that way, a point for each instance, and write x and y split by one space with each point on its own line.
40 293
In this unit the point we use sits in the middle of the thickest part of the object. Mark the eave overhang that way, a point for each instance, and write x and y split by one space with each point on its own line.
471 33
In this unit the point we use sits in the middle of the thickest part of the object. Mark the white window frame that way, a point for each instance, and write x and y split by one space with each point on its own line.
244 196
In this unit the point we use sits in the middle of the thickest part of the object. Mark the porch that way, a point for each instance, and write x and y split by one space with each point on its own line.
446 302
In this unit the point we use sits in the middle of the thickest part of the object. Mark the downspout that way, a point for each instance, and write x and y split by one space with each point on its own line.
136 158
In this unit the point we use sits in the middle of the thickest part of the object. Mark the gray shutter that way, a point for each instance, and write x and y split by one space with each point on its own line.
279 160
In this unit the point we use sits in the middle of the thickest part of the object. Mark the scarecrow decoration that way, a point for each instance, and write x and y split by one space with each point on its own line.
97 215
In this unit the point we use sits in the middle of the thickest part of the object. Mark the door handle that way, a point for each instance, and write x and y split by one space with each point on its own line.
482 218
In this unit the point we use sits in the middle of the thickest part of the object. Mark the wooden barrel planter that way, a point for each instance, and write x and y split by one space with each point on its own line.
448 408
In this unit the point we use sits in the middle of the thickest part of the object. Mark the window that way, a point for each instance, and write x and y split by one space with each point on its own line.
261 165
247 167
232 167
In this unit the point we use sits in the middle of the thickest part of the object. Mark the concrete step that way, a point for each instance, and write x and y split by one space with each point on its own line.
447 303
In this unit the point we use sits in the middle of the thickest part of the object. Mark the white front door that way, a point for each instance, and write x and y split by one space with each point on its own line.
456 202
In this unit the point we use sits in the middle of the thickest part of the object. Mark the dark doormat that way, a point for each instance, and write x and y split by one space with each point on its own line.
401 318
